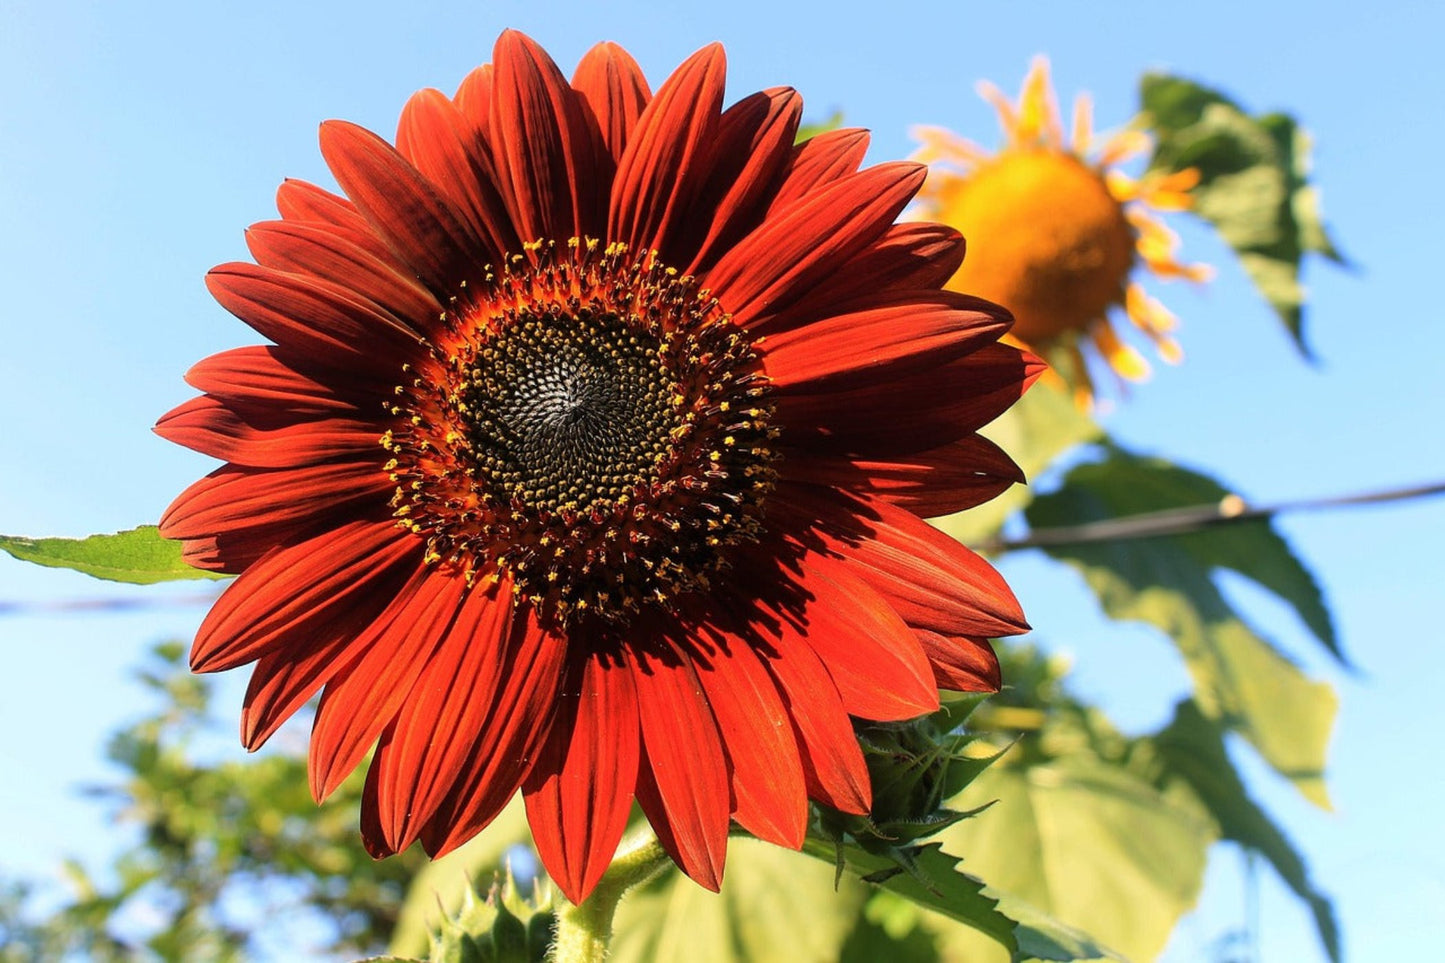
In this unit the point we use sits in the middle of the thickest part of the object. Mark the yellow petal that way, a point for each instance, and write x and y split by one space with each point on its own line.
1126 362
1122 146
1083 123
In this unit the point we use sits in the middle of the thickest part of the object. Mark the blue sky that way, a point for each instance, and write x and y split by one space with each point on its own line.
138 140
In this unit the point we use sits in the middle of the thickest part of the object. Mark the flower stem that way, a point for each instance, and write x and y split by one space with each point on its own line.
584 931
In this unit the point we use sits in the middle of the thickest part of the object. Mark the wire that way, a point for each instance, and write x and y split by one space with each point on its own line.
1229 510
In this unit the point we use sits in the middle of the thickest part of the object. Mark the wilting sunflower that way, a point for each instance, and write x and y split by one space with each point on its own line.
588 459
1055 236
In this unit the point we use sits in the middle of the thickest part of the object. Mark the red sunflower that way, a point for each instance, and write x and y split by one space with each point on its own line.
590 458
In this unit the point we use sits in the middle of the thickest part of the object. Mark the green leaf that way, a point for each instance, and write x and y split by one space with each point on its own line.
938 885
1087 843
1253 184
1040 427
775 907
1239 679
139 556
1192 748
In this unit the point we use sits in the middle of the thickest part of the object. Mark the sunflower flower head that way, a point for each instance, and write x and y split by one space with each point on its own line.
589 457
1057 232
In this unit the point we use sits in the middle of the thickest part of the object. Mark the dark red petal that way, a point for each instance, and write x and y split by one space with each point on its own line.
296 591
907 333
580 793
751 151
906 257
940 481
298 200
819 161
544 147
257 375
232 499
424 753
474 100
685 762
517 723
867 648
207 425
789 254
915 413
419 224
383 666
961 663
770 795
833 764
314 317
612 84
436 137
656 176
931 580
283 681
313 250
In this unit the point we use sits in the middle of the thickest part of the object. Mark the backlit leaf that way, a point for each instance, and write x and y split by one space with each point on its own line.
1253 184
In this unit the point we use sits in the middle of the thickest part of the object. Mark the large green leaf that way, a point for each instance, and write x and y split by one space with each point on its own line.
1088 844
1239 679
139 555
936 884
1191 748
775 907
1041 426
1253 184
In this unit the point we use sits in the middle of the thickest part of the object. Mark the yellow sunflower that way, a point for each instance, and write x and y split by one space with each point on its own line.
1055 236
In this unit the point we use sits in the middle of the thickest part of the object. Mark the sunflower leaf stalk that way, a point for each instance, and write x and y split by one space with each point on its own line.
584 930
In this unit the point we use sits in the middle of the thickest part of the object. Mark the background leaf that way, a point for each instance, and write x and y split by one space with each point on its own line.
138 555
1240 680
1252 187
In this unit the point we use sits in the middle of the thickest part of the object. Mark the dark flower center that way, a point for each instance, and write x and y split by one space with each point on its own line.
571 410
592 427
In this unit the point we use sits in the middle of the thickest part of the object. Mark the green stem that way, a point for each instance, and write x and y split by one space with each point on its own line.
584 932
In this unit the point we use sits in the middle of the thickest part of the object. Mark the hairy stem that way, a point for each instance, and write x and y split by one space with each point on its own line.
584 932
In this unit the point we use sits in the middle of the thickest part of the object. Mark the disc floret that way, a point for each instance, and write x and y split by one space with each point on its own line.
590 424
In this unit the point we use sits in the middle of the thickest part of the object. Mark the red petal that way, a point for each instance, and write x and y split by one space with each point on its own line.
789 254
906 333
425 752
832 762
657 173
435 136
283 681
685 762
207 425
929 484
474 100
867 648
933 582
233 499
545 150
580 793
612 84
314 317
906 257
384 665
256 375
915 413
753 146
309 249
820 161
403 207
769 791
517 724
961 663
295 591
297 200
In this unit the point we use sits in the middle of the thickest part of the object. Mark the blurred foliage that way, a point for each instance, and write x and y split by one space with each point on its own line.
1253 184
229 857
